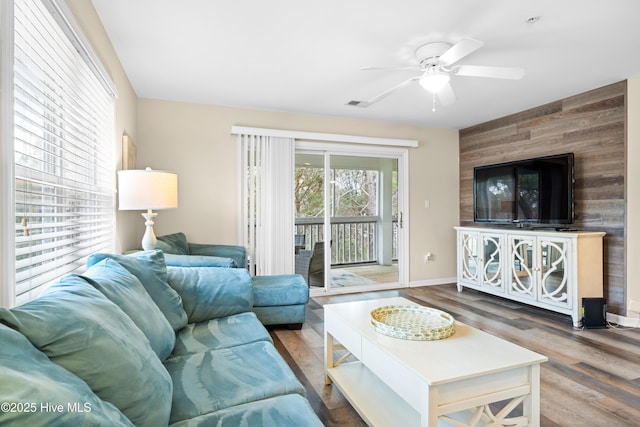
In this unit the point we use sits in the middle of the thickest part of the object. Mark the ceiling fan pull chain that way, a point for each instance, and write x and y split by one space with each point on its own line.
433 109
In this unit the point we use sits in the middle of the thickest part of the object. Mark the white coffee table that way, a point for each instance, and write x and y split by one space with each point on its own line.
397 382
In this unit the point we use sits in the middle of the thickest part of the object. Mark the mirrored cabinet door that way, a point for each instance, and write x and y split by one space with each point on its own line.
492 269
470 258
553 276
523 267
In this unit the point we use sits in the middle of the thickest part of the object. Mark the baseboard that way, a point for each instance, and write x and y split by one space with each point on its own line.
632 322
431 282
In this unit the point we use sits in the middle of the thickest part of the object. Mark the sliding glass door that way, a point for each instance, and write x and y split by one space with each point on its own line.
309 203
349 230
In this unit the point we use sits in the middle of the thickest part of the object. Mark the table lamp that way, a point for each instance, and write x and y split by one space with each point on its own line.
148 190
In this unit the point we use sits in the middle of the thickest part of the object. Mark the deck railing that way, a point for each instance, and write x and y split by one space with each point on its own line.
354 240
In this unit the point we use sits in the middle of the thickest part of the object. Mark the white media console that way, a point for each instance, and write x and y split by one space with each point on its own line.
548 269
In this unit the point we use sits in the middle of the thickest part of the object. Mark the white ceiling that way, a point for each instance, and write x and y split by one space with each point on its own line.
305 56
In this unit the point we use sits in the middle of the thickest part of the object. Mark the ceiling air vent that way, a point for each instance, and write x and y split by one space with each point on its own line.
362 104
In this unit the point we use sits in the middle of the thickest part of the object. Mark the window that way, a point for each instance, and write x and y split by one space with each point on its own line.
63 138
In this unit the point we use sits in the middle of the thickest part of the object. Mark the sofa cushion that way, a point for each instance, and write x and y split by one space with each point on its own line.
224 332
208 293
85 333
149 267
290 410
34 384
279 289
175 243
282 314
198 261
125 290
213 380
235 252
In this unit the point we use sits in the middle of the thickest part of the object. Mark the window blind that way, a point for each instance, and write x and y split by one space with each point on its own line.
63 143
267 202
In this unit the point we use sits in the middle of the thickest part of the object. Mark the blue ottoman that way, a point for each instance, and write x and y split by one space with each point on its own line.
280 299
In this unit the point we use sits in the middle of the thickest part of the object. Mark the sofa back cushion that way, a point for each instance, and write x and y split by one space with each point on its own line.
173 260
209 293
149 267
125 290
41 393
175 243
236 253
85 333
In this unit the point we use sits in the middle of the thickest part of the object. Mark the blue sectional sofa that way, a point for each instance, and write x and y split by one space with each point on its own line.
132 342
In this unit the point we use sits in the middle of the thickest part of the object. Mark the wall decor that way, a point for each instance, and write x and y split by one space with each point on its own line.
128 153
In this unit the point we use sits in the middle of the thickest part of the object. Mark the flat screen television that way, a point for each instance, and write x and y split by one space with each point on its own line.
536 191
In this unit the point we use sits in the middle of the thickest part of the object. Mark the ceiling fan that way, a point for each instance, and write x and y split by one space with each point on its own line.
437 65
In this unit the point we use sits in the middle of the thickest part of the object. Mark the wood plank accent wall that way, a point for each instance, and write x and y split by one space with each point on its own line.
592 126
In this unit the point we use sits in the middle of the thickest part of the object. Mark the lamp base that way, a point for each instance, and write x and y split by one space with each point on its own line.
149 240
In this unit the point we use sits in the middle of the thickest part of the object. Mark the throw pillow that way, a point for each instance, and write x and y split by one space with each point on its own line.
175 243
149 267
39 393
125 290
85 333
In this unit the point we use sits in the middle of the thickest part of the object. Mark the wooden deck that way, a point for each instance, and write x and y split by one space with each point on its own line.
592 377
375 272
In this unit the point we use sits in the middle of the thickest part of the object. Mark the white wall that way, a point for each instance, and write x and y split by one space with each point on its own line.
195 141
3 269
632 196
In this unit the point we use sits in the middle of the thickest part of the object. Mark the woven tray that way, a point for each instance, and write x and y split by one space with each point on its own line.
410 322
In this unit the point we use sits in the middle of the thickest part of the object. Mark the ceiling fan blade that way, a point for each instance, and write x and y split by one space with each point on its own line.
512 73
459 50
391 69
446 95
384 94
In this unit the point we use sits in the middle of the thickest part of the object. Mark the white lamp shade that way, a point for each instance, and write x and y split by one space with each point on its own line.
147 189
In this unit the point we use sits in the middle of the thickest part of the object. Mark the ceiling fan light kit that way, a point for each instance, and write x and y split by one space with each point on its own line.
436 67
434 80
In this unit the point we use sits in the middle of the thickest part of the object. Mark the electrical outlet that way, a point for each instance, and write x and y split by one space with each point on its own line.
428 257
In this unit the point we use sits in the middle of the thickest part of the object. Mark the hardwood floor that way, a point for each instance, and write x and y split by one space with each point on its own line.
592 377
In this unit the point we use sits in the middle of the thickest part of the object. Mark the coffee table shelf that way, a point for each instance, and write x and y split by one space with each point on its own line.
374 401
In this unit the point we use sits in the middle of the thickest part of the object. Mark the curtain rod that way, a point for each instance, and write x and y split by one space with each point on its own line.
319 136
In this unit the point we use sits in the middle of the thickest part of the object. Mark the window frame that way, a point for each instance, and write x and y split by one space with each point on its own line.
66 22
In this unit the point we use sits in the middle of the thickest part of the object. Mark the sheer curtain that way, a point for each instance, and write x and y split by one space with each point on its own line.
267 202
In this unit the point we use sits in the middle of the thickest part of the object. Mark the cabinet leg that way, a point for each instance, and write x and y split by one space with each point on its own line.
577 321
